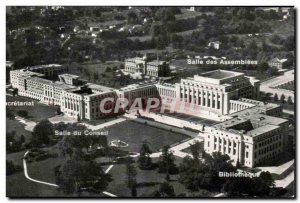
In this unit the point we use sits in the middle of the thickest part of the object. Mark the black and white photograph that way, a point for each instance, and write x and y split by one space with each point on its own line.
152 101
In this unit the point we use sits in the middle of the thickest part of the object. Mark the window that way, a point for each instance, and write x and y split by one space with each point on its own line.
247 154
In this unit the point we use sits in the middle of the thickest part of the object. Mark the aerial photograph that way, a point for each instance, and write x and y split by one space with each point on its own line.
150 102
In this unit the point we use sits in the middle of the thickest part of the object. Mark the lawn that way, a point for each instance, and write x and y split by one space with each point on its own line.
37 112
152 177
13 125
135 133
18 186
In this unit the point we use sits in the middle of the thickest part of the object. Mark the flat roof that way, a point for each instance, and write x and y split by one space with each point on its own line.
69 75
156 62
64 85
25 72
44 66
220 74
99 87
84 91
40 80
262 129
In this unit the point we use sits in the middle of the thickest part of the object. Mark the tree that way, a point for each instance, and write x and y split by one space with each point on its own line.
131 17
289 100
11 168
267 178
195 174
10 114
264 66
282 98
96 76
23 113
144 159
22 139
76 174
289 43
165 190
131 177
162 41
253 45
42 133
177 41
166 163
108 69
275 99
165 15
15 91
58 111
273 71
195 149
246 186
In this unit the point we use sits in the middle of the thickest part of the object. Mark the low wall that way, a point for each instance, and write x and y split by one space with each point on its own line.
173 121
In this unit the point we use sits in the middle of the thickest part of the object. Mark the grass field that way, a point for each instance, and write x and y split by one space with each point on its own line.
37 112
18 186
135 133
119 187
13 125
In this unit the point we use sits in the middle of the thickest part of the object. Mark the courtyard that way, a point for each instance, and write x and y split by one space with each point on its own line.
134 134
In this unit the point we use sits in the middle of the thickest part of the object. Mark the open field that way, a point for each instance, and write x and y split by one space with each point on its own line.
135 134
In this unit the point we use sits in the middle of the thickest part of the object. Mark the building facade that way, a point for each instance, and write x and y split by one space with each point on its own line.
249 136
211 92
148 68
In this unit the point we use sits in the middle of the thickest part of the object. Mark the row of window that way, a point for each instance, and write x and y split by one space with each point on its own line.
268 141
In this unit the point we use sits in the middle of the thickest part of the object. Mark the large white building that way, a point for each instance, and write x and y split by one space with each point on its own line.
249 131
248 137
211 92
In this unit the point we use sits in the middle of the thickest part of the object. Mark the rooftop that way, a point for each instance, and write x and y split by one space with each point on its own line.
41 80
220 74
69 75
28 73
83 91
156 62
43 66
99 88
261 130
135 86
